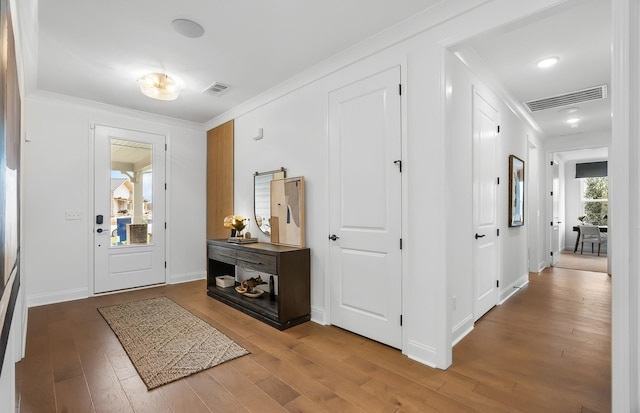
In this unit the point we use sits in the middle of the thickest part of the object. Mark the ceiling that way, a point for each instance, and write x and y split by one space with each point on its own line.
579 33
96 50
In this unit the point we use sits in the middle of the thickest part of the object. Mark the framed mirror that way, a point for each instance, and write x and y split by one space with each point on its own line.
516 191
287 211
262 197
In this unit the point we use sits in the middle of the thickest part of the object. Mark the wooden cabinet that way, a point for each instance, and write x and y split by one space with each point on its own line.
292 303
219 179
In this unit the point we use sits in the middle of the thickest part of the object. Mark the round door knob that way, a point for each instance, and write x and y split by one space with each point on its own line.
333 237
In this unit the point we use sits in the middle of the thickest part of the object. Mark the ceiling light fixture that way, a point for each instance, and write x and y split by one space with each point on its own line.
572 121
547 62
159 86
187 28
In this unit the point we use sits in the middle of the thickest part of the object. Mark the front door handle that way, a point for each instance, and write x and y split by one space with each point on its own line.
333 237
480 236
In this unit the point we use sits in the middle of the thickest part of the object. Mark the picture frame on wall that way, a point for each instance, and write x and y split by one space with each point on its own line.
516 191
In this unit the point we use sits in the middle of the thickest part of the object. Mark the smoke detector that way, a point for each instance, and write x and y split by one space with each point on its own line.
572 98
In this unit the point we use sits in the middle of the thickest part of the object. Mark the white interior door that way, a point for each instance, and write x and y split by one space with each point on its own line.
365 201
129 219
485 205
555 213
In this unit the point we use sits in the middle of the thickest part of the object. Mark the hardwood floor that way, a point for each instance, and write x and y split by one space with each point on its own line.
547 349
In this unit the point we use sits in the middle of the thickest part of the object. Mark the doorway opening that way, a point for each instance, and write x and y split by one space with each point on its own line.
582 196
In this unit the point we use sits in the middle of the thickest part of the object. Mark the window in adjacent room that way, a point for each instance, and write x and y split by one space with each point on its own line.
595 200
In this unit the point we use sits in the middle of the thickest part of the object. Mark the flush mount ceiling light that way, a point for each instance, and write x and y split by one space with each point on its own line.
187 28
547 62
572 121
159 86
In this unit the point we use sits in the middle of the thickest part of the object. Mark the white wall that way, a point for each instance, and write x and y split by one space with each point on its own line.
514 248
57 176
572 204
536 205
513 242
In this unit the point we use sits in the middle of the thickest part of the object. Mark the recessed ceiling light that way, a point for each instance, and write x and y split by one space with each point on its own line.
547 62
575 125
187 28
572 121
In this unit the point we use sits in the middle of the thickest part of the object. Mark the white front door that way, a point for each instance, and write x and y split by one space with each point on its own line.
485 206
555 213
365 202
129 219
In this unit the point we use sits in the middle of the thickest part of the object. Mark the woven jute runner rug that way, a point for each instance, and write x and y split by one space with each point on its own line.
165 342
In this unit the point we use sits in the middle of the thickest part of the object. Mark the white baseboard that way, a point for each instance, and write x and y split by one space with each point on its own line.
513 288
461 330
317 316
57 297
183 278
422 354
79 293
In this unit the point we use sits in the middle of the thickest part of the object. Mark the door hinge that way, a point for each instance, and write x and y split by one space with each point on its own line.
551 253
398 163
400 320
551 163
551 193
165 186
165 146
400 243
165 264
551 223
497 283
165 225
498 180
400 89
498 232
498 128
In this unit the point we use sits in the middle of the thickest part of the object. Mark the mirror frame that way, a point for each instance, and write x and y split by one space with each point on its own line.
275 174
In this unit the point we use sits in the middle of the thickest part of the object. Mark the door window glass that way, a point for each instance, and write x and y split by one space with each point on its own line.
131 193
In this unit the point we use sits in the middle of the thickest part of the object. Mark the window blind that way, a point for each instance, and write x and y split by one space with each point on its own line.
591 169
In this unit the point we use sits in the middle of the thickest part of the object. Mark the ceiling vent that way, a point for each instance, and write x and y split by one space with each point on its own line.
217 89
585 95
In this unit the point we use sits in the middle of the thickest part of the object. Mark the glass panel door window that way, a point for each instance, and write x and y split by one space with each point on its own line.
131 193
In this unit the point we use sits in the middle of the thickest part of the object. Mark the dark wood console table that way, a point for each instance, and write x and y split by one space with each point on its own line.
292 303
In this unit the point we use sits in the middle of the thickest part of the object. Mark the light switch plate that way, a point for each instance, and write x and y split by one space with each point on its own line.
70 215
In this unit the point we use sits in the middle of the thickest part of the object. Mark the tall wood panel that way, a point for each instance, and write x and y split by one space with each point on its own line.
219 179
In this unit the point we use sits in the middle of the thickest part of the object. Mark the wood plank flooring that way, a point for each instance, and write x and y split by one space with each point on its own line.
547 349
